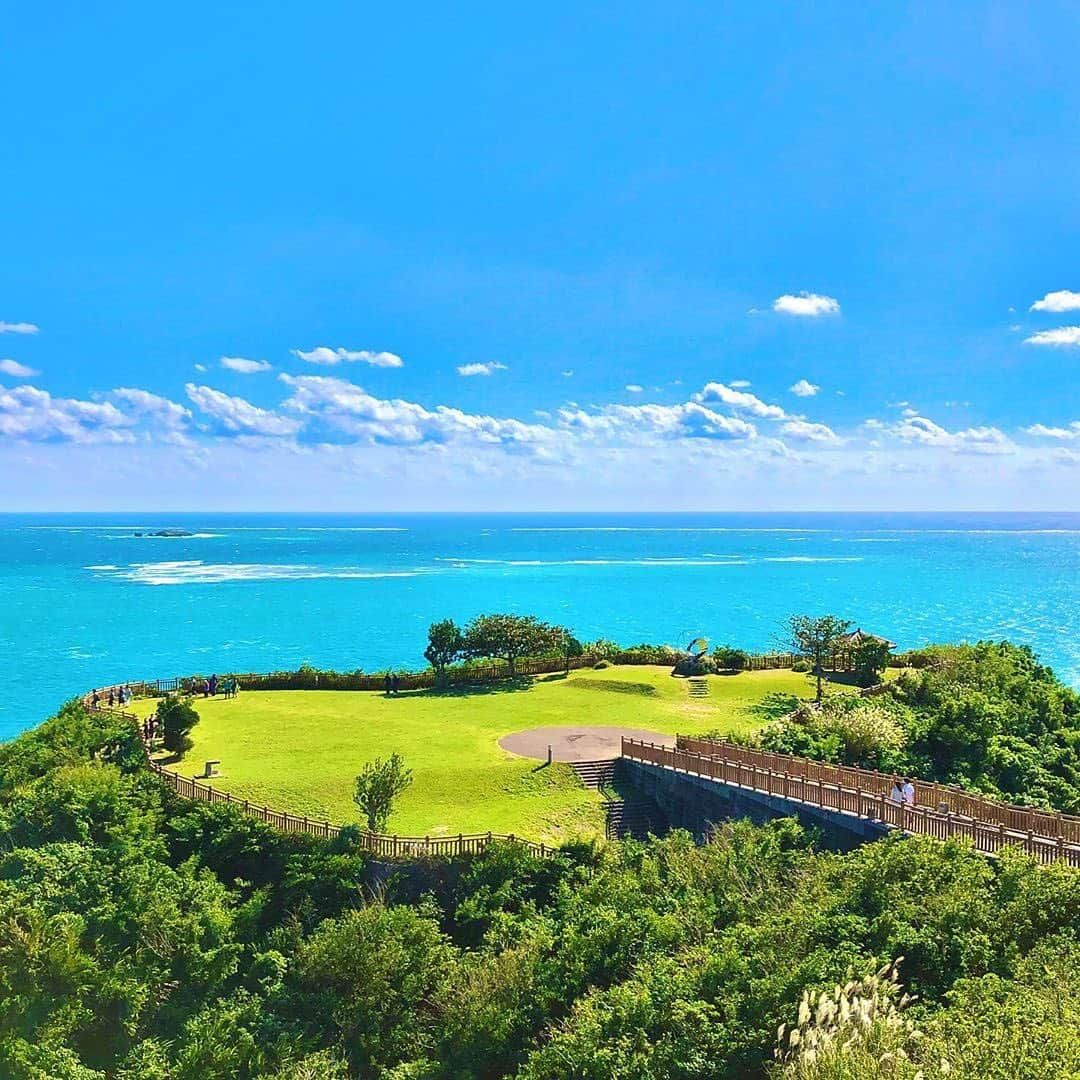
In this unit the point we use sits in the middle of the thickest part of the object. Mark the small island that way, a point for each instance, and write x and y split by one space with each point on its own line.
172 533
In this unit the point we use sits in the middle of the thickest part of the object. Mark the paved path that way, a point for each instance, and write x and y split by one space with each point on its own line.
578 743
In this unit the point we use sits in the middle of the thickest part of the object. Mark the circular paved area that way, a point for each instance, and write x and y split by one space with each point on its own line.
582 743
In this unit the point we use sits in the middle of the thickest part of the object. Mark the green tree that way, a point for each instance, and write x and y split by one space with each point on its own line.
510 637
446 643
377 786
569 646
869 661
177 718
816 640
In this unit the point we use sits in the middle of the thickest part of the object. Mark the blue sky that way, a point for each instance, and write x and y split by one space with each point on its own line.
559 256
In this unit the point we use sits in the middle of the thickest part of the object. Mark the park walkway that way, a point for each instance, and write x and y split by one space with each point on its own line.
942 812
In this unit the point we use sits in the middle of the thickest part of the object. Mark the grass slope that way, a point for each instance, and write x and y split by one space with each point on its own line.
300 750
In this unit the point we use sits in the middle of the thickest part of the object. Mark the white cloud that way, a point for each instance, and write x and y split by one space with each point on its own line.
17 370
337 407
1063 335
322 354
977 440
804 388
717 392
740 384
235 416
690 420
568 373
242 366
489 368
807 431
1042 431
1062 300
634 388
161 410
200 367
18 328
27 413
806 304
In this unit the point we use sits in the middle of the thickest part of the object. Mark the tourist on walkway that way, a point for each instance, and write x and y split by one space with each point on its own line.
909 792
397 683
213 686
112 698
388 683
206 688
95 701
897 793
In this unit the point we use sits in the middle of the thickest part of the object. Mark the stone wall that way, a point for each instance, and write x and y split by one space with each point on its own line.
695 802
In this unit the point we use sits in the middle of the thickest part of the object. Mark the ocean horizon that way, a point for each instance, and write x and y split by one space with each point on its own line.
84 601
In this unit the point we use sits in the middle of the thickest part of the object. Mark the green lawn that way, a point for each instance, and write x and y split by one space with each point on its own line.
300 750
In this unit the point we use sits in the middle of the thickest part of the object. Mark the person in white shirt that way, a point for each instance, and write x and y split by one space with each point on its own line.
897 793
909 792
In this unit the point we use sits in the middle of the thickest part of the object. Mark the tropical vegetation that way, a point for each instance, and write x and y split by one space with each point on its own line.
143 937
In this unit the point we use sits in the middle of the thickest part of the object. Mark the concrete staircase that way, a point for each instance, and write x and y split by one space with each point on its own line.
595 774
698 687
633 816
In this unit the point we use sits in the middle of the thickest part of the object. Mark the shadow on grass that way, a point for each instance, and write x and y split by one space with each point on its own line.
774 705
479 689
842 678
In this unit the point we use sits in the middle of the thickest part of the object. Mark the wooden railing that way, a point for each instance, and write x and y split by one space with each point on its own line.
1047 836
928 793
326 680
384 845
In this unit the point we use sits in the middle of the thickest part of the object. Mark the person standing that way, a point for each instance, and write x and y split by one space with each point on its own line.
397 683
388 683
897 793
909 792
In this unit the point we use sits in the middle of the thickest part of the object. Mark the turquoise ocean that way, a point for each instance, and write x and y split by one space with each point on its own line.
84 601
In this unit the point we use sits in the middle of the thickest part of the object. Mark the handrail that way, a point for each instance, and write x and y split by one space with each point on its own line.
380 844
830 792
1051 823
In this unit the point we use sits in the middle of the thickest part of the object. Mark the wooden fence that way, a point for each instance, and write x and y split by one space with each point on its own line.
328 680
380 844
1046 835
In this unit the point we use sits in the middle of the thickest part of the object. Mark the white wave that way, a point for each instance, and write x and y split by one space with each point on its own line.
659 528
813 558
103 566
866 540
727 560
197 572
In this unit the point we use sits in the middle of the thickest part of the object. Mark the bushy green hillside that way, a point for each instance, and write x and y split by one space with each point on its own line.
987 716
142 938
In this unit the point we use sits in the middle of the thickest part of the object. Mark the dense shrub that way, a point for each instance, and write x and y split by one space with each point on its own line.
702 664
729 658
987 716
177 718
147 938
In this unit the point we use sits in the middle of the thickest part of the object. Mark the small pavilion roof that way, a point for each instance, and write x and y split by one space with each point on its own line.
859 637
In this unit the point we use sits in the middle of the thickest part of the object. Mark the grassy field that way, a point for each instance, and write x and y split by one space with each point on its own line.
300 750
